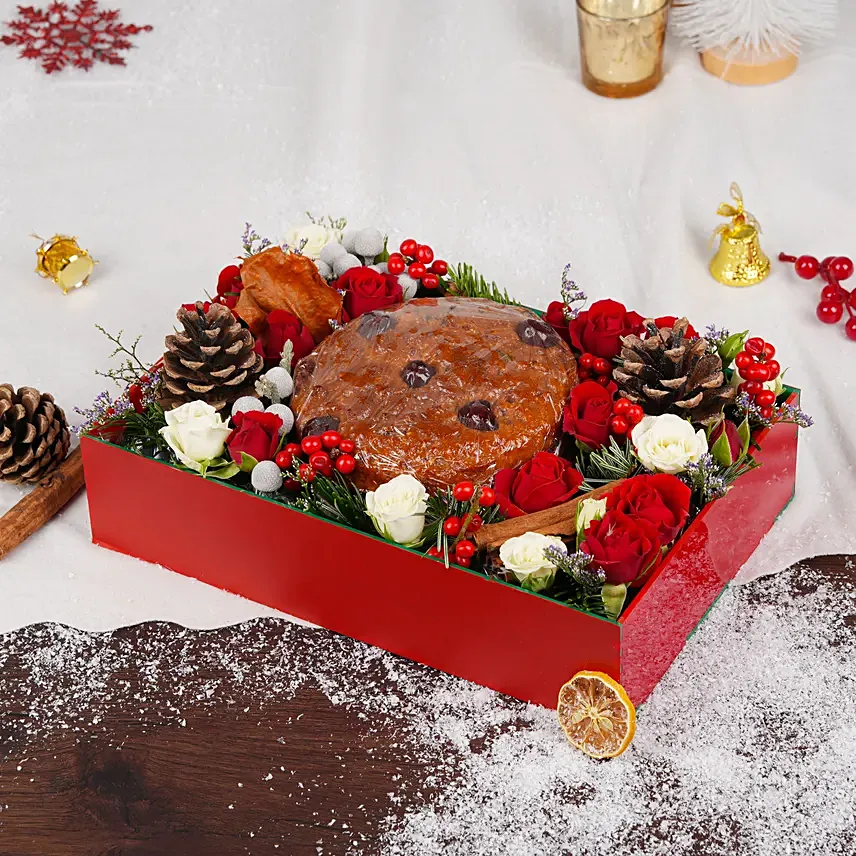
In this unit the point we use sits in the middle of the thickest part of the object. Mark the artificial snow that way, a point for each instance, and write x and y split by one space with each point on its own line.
745 747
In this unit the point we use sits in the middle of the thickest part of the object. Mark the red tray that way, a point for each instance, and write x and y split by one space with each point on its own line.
456 620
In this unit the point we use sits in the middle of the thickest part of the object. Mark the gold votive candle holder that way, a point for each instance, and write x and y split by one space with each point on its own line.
621 45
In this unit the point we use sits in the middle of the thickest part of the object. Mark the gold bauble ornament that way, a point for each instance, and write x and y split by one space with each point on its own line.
61 259
739 261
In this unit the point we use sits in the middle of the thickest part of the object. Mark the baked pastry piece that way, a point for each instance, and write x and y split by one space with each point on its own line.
442 388
276 280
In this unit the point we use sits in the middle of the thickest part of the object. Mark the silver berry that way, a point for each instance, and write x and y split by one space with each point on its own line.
266 477
245 404
330 252
349 240
324 269
345 263
281 379
284 413
369 243
409 285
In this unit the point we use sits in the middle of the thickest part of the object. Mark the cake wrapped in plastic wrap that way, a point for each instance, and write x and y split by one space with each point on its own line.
442 388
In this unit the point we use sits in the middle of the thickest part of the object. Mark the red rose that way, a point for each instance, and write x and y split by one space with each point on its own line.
669 321
229 281
543 482
229 286
555 317
624 547
587 414
256 434
662 500
282 327
598 330
366 290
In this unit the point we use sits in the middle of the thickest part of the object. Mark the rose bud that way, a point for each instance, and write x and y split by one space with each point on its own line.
725 443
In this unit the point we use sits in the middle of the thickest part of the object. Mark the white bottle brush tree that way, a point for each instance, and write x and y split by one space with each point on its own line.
754 28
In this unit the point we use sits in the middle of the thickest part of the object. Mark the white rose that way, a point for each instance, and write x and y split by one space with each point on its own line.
587 511
315 237
667 443
524 557
196 433
397 509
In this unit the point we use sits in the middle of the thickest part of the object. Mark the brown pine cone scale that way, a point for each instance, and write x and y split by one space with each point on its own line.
211 359
668 373
34 436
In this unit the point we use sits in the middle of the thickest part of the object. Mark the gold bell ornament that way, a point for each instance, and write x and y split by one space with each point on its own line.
61 259
739 261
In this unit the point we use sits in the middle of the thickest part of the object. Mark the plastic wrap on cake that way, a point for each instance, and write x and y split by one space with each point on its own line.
442 388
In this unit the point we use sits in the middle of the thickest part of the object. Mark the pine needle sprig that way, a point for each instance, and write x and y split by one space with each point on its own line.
608 464
335 498
468 282
579 585
142 431
443 505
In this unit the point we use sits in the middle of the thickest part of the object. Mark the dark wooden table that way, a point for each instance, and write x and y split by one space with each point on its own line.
158 740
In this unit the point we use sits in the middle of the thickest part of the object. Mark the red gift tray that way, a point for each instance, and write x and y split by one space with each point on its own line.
492 633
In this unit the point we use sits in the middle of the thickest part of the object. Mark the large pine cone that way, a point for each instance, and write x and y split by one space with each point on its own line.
34 436
667 373
211 360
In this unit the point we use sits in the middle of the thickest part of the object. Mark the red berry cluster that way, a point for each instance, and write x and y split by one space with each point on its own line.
597 367
229 286
415 258
834 299
458 527
324 453
756 365
627 414
141 390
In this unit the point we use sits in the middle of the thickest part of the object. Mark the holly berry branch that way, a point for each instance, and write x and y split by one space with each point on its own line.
453 515
834 299
319 484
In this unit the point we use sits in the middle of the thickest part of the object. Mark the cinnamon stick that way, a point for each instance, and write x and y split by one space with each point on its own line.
560 520
41 503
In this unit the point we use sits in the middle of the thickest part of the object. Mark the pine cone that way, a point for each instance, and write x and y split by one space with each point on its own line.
34 436
211 360
666 373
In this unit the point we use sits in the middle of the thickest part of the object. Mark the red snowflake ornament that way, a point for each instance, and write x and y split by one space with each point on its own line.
79 36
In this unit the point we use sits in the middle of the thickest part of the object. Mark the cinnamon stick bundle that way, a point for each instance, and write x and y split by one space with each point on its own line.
560 520
41 503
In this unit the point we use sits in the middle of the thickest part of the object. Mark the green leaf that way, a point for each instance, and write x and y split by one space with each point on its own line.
721 451
583 447
613 597
745 434
224 472
384 255
248 463
731 347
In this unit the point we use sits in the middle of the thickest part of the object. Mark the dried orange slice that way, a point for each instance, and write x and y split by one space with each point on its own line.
596 715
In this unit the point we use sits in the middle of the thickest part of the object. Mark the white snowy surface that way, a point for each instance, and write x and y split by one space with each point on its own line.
745 746
462 124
